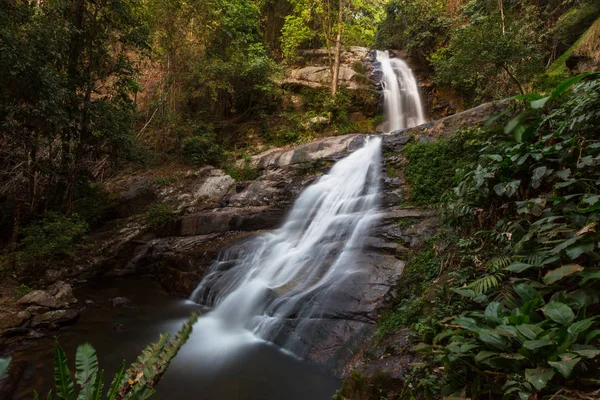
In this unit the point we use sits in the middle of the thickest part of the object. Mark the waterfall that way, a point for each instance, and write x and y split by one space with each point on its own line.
256 288
402 102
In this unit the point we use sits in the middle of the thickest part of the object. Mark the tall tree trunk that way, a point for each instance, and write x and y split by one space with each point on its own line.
338 50
501 5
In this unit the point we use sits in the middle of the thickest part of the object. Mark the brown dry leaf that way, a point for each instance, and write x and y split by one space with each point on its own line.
586 229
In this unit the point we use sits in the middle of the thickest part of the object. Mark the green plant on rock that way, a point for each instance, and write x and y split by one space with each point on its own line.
137 382
159 215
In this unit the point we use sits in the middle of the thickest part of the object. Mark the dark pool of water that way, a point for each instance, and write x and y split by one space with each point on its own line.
255 371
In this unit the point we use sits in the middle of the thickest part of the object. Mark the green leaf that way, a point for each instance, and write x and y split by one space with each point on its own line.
4 363
565 367
592 335
538 174
526 292
559 312
580 326
492 309
575 251
536 344
566 84
65 389
86 370
98 386
560 273
482 355
588 353
518 267
529 331
118 379
494 340
539 377
536 104
588 274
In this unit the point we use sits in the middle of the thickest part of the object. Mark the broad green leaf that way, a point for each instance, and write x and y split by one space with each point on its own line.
559 312
536 104
4 363
494 340
592 335
575 251
566 84
492 309
536 344
560 273
580 326
482 355
518 267
539 377
526 292
65 389
565 366
538 174
529 331
98 386
589 274
588 353
86 370
564 245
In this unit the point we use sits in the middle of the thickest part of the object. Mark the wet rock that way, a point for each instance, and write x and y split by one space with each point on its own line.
39 298
62 292
13 319
121 302
54 317
89 302
36 310
12 332
35 335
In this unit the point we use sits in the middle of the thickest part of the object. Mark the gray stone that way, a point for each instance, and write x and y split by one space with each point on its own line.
121 302
13 319
54 317
62 292
36 310
40 298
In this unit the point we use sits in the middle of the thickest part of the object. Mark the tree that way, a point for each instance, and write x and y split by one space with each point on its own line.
67 84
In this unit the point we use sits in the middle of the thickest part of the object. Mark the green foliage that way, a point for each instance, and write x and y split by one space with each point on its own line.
159 215
22 290
418 27
528 211
434 167
51 239
202 148
66 95
572 24
137 382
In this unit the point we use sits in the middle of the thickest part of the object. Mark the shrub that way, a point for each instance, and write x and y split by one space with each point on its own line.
54 238
159 215
202 148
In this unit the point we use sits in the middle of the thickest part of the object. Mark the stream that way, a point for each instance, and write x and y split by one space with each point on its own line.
258 371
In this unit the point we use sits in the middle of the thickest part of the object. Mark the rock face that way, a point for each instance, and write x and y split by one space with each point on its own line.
353 65
214 212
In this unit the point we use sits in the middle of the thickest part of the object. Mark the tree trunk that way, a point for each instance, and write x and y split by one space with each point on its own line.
338 50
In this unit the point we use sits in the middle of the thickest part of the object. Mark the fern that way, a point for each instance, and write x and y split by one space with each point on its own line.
137 382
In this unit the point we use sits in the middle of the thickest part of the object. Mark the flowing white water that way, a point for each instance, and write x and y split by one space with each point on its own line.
257 288
402 102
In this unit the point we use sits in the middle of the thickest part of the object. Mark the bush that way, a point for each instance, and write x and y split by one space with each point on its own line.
202 148
433 168
54 238
159 215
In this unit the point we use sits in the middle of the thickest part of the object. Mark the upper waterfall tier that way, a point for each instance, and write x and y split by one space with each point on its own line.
402 102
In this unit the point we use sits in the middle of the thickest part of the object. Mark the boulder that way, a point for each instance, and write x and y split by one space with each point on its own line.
54 317
13 319
39 298
121 302
62 292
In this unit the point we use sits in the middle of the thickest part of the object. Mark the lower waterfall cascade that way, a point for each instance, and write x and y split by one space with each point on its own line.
256 288
402 102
